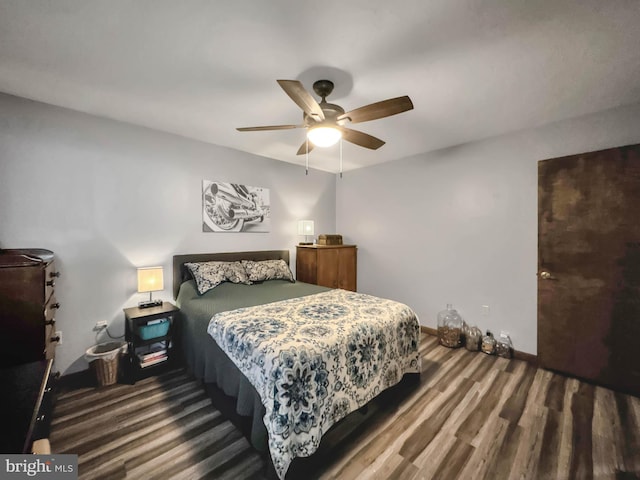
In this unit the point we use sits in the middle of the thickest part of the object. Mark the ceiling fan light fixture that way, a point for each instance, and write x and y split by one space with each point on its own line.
325 121
324 136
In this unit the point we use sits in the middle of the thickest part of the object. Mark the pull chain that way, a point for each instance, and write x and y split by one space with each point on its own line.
307 163
340 157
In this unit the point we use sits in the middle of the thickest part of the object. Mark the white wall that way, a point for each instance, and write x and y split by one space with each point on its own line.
107 197
457 225
460 225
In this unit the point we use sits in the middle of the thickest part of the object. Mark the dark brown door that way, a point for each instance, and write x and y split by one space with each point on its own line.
589 266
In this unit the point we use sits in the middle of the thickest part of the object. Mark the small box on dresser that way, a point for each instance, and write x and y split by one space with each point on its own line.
329 239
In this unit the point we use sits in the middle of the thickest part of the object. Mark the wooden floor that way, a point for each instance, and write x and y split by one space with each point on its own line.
471 416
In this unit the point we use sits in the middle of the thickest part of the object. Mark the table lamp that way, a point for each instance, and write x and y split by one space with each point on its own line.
305 227
150 279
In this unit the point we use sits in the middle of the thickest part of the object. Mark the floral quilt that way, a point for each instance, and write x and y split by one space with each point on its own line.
315 359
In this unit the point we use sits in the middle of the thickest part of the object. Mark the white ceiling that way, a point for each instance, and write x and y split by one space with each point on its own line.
200 68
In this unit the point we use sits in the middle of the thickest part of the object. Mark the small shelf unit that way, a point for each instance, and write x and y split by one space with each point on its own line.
151 338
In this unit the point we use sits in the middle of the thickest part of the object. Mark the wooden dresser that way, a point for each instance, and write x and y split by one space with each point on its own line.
27 405
27 318
333 266
27 305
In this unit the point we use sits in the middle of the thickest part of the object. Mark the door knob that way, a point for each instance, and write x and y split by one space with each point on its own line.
544 275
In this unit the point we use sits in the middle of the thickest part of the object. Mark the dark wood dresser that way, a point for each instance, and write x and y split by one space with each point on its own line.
333 266
27 318
27 405
27 305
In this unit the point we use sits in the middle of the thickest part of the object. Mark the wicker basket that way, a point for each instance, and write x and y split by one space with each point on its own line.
103 360
106 371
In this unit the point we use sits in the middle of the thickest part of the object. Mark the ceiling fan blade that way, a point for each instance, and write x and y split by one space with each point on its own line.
303 148
303 99
359 138
382 109
268 127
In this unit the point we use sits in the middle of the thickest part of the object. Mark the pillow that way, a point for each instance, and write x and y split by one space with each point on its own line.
235 272
206 276
209 275
267 270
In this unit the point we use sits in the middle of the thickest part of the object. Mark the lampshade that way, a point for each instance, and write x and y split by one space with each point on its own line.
324 136
305 227
150 279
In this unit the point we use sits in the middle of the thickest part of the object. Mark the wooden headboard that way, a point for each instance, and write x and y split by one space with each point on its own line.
181 273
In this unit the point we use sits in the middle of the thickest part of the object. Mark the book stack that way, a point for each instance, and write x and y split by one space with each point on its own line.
153 357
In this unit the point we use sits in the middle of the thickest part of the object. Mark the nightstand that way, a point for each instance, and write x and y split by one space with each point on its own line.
151 335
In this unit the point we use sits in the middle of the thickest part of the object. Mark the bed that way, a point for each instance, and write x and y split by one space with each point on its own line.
294 358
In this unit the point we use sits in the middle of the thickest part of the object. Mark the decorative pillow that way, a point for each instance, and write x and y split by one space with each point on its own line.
235 272
206 276
268 270
209 275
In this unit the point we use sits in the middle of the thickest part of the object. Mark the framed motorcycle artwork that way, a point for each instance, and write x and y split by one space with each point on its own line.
232 207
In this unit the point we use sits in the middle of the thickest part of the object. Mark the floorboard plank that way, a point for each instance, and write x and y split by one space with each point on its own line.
470 416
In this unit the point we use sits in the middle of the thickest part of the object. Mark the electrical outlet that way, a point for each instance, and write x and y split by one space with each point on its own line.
58 336
485 310
99 326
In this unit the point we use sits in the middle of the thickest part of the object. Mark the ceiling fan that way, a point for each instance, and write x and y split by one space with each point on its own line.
325 122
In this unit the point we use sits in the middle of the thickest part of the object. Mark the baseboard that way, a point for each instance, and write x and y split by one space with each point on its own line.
527 357
429 330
